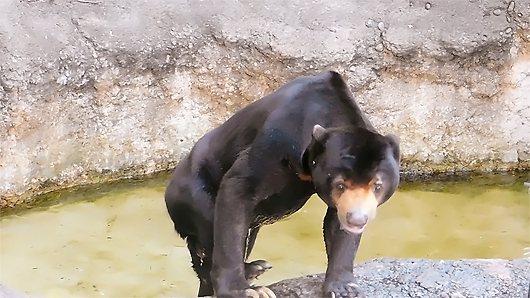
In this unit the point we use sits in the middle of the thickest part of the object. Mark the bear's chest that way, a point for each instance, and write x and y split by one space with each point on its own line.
280 205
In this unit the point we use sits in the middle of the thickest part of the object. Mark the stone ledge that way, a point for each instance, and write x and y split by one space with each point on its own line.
411 278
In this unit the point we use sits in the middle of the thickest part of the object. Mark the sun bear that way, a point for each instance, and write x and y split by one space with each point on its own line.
261 165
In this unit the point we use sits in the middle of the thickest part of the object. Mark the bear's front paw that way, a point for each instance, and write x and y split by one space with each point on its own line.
344 288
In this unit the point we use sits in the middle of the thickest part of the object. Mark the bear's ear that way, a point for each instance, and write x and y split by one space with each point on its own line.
319 136
393 140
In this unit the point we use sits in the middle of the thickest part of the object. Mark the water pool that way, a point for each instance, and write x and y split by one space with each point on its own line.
116 240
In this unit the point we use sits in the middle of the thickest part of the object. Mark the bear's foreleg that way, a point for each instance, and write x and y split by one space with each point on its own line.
234 211
341 249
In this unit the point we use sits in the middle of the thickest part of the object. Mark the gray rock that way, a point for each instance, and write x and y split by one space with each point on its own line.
99 90
406 278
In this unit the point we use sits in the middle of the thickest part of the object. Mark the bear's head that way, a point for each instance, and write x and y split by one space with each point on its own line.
353 170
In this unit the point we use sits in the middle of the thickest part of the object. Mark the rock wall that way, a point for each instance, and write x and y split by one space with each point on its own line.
94 90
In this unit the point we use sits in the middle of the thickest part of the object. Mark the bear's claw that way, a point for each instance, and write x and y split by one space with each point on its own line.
260 292
349 290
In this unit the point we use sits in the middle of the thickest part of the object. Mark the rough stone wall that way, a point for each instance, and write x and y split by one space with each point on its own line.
93 90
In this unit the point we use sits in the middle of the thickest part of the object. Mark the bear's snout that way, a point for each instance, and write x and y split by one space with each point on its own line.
357 219
354 221
356 207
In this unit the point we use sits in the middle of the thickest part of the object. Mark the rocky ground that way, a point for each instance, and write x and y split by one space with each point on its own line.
422 278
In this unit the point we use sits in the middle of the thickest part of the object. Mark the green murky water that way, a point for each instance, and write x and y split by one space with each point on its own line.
117 240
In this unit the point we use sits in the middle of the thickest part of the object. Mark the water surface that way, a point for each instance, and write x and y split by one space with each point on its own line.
117 241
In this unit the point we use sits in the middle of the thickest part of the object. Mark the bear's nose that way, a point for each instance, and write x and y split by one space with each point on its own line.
357 218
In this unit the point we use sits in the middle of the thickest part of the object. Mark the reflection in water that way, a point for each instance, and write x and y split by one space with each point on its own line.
122 244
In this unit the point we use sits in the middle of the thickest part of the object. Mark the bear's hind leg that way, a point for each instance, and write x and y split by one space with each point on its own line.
202 265
255 269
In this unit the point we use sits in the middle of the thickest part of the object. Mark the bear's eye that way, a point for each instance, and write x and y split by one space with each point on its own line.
340 187
378 186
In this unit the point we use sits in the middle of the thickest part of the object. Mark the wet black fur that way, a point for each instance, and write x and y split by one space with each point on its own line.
246 173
